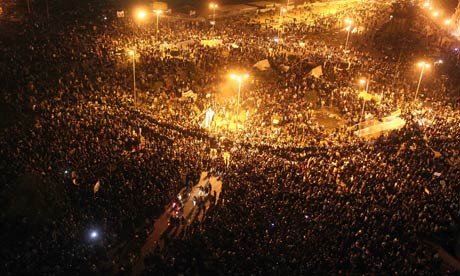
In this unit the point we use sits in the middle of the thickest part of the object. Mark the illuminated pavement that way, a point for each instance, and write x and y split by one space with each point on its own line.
161 228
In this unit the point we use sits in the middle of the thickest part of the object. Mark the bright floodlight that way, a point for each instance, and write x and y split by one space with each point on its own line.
362 81
213 6
283 10
424 64
93 234
348 21
158 12
141 14
238 77
130 52
435 13
447 22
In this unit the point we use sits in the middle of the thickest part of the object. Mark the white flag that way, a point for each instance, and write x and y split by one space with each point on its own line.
97 186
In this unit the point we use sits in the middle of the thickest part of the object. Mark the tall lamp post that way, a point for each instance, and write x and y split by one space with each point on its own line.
362 82
348 28
140 15
423 65
158 12
282 10
213 7
133 54
239 79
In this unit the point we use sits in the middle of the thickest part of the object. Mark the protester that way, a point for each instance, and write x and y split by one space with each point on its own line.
86 165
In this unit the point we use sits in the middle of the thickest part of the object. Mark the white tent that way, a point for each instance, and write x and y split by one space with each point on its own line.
317 71
262 65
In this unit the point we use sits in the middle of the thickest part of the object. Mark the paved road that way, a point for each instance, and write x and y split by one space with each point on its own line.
161 228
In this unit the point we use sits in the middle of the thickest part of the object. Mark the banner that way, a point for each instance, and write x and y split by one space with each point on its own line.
189 94
369 97
211 42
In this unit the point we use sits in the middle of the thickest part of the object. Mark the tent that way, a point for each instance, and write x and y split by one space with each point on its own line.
317 71
262 65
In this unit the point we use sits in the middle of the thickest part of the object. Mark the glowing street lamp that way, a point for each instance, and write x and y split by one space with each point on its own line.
141 14
133 54
93 235
423 65
158 12
447 22
348 28
435 13
239 79
366 82
213 7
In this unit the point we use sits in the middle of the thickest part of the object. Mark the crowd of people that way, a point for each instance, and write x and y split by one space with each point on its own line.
87 163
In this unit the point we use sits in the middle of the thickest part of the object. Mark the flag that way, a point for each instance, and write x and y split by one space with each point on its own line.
317 71
208 118
437 154
427 191
120 14
285 68
190 94
97 186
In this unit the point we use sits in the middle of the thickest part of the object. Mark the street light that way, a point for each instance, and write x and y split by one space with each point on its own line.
447 22
423 65
348 28
133 54
213 7
282 10
158 12
362 82
141 14
239 79
435 13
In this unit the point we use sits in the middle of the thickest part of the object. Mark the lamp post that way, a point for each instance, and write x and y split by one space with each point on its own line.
423 65
362 82
348 28
213 7
158 12
282 10
133 54
239 79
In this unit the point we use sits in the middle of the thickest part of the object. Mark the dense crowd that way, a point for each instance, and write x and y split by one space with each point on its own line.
86 166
